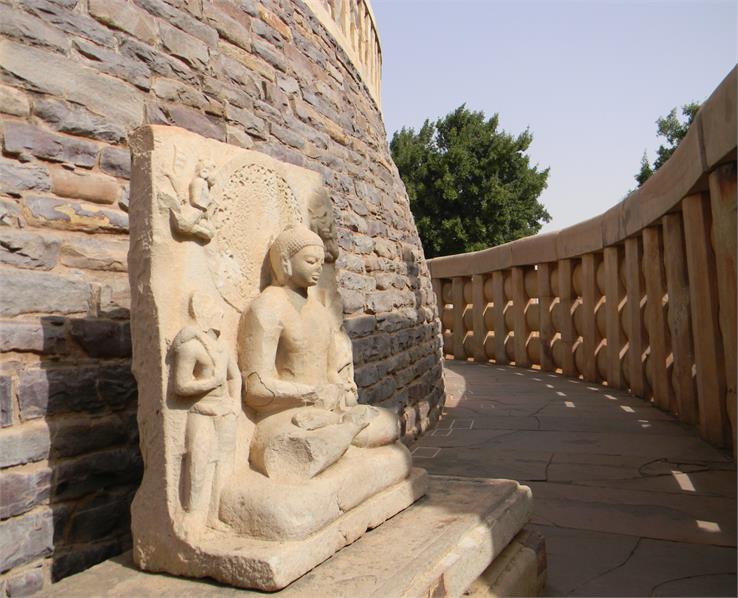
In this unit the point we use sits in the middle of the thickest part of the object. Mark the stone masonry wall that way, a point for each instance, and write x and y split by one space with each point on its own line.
76 76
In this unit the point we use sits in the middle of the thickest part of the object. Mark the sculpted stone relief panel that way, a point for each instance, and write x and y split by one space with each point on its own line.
259 461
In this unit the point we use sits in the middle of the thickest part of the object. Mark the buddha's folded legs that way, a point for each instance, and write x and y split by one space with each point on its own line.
282 450
383 428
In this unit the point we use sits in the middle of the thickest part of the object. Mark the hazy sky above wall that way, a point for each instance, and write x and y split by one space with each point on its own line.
588 77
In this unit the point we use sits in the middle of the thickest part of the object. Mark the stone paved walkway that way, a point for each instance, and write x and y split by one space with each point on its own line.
630 501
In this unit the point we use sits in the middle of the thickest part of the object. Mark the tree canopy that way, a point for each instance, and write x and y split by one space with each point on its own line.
671 128
470 185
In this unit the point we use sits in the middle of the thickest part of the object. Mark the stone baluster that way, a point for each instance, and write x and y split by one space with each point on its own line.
545 327
377 67
566 303
634 320
479 304
346 17
459 330
653 259
371 51
379 75
708 350
361 47
520 325
723 203
498 315
589 325
368 35
680 324
613 330
358 38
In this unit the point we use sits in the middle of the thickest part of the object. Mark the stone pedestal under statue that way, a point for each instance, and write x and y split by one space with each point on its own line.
442 545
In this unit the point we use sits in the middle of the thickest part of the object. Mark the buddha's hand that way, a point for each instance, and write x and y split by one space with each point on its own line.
350 394
328 396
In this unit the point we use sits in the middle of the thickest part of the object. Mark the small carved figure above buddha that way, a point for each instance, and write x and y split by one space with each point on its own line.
191 216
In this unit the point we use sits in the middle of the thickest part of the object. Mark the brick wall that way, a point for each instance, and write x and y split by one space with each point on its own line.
76 76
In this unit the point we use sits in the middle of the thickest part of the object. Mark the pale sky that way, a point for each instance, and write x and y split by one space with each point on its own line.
589 78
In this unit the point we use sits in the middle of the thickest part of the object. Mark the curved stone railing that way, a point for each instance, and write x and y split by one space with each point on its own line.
642 297
352 24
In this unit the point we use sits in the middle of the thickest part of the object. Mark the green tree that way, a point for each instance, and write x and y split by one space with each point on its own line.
671 128
470 185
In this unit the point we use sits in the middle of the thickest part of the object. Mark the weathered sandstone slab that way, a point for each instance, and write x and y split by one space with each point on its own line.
259 461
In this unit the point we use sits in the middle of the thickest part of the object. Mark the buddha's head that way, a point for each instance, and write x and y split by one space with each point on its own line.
296 257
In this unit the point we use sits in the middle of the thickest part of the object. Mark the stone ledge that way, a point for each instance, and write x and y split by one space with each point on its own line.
442 542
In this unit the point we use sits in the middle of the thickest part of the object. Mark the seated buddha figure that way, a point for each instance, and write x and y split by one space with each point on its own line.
297 368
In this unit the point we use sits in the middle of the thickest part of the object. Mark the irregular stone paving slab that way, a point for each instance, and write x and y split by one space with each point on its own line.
577 555
524 466
655 567
708 483
610 474
442 542
678 517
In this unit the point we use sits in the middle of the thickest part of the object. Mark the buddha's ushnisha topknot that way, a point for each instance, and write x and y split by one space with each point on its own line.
294 238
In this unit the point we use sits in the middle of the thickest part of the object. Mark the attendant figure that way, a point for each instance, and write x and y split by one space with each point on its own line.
207 376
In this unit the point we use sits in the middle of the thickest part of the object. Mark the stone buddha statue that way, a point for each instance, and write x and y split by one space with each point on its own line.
296 364
259 461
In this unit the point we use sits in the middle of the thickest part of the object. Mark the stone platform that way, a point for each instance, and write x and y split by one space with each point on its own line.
438 546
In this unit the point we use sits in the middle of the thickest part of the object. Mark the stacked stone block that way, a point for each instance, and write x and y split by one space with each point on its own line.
76 77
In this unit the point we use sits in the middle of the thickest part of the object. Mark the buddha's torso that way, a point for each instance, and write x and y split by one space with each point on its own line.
304 341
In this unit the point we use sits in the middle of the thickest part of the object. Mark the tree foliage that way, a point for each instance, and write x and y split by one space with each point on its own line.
671 128
470 185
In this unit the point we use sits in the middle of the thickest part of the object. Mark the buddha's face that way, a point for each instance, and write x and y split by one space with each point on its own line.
306 266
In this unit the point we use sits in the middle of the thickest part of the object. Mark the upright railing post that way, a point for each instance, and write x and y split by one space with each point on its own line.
680 324
708 350
546 328
479 303
520 328
613 328
459 303
634 292
723 202
566 303
589 302
498 315
653 259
